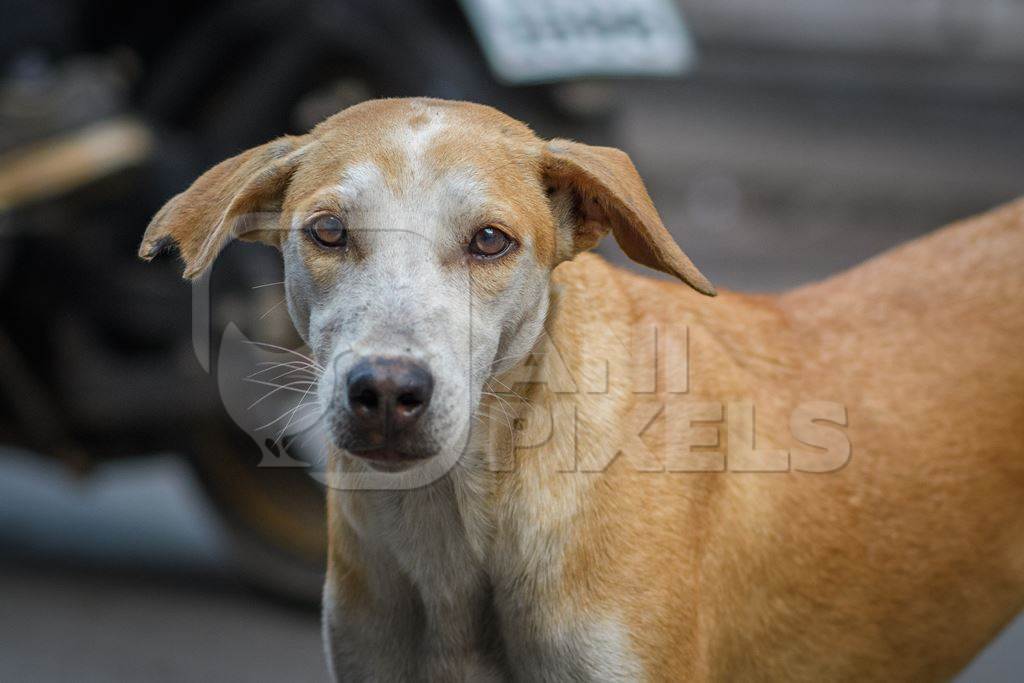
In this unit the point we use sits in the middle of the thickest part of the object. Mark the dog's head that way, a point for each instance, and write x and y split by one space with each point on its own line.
418 238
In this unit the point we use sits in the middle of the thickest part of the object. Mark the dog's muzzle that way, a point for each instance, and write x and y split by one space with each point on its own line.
385 400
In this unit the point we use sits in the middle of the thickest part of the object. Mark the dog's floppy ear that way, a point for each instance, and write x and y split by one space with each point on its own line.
608 194
238 198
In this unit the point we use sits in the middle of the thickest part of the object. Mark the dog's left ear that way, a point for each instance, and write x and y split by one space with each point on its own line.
608 194
238 198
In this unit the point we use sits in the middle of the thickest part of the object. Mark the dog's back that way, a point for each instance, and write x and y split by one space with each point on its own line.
930 337
918 544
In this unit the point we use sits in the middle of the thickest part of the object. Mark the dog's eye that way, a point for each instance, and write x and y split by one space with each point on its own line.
489 242
328 231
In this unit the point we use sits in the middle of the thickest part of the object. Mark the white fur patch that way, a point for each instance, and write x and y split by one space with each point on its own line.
358 179
415 140
609 653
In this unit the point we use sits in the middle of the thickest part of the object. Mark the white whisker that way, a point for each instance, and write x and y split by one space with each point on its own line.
272 309
291 386
291 411
287 424
287 350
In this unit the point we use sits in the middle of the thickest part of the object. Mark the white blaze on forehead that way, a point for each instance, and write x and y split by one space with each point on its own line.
416 138
448 192
424 199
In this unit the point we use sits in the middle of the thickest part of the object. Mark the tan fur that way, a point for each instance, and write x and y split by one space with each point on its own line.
899 565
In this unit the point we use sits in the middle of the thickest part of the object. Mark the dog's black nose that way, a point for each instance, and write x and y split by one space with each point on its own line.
387 396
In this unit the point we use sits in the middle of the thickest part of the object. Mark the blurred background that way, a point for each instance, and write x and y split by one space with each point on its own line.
148 527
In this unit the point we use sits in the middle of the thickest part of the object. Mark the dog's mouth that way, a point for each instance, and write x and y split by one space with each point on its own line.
389 460
388 455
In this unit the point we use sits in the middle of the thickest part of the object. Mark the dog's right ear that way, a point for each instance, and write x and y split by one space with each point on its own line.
238 198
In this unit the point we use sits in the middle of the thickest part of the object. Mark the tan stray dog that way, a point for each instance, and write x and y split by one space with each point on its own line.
608 508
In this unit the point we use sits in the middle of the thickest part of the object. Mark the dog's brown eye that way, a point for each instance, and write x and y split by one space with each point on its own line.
489 242
328 231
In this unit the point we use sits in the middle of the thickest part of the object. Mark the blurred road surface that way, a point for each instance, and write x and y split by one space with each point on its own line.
123 577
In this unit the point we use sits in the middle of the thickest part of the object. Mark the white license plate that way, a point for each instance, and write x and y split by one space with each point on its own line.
533 41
